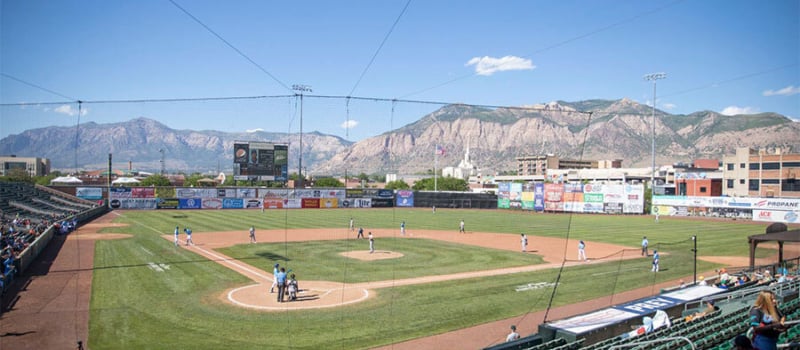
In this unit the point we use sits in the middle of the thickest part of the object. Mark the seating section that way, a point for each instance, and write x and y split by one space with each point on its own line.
712 331
25 213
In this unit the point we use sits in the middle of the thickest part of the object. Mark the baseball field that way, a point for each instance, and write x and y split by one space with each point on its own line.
146 293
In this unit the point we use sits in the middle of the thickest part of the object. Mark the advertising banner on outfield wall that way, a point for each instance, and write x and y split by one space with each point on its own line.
212 203
553 197
246 193
381 202
528 201
577 198
273 193
134 203
310 203
189 203
273 203
329 203
405 198
252 203
293 203
167 203
356 203
515 195
143 192
232 203
789 217
89 193
538 197
504 195
226 193
119 192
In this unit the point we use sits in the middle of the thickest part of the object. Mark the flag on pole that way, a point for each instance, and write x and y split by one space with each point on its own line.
440 150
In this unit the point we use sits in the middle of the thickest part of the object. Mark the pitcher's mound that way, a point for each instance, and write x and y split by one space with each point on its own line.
367 256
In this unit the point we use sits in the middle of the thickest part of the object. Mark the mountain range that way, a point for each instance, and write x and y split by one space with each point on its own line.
591 129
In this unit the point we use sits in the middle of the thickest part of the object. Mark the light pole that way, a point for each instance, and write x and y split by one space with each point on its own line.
694 240
654 77
162 160
301 88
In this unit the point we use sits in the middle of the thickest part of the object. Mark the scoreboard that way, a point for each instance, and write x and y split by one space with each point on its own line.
260 161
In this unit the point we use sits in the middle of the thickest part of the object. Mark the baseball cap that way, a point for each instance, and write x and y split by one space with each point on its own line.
276 265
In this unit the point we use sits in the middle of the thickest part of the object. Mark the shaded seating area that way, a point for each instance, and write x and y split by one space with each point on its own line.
777 232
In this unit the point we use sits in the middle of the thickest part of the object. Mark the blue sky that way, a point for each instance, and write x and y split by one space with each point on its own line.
726 56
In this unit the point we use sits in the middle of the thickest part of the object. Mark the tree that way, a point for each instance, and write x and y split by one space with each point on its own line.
378 177
397 185
45 180
18 175
155 180
442 184
328 182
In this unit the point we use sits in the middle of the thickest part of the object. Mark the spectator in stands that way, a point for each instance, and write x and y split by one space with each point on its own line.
702 281
766 321
646 327
710 308
742 342
513 335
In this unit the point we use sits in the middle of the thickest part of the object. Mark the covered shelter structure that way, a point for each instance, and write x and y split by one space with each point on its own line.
66 180
776 232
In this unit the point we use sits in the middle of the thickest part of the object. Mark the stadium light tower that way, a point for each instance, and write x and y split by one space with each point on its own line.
654 77
301 88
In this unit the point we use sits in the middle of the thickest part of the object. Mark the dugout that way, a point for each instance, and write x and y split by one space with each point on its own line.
446 199
613 321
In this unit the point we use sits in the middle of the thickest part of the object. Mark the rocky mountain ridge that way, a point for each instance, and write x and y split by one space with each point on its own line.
609 129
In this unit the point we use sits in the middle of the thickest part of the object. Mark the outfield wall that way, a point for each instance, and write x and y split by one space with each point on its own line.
572 198
194 198
785 210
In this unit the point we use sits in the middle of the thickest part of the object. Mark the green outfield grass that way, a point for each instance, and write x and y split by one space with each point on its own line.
321 261
133 306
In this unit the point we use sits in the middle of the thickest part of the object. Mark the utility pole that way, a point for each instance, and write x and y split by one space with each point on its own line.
301 89
162 161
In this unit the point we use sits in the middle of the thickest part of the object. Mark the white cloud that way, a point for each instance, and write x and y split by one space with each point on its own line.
668 105
250 131
349 124
736 110
787 91
489 65
70 111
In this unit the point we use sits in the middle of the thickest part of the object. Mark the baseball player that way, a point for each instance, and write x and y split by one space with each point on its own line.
524 242
274 278
252 234
461 226
188 232
644 246
177 233
582 251
402 228
371 243
655 261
